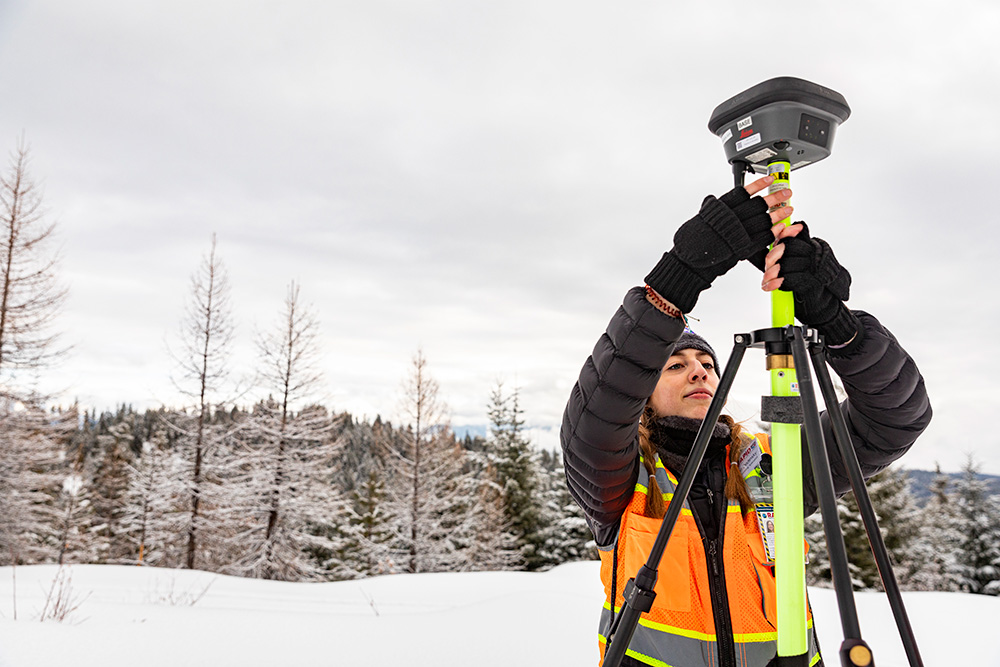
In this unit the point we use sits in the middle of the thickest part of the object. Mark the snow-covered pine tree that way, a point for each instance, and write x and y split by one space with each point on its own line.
566 536
76 543
108 486
74 538
819 572
934 563
32 475
494 546
367 539
899 522
979 524
292 510
155 515
516 466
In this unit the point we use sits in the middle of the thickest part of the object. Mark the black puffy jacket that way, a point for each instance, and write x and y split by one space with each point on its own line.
886 408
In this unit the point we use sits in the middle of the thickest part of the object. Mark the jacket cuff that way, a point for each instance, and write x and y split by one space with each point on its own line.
676 283
844 333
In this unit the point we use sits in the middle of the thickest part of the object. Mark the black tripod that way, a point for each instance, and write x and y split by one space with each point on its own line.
802 409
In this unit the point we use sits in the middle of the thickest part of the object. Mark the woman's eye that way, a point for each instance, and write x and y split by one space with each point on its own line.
673 367
709 366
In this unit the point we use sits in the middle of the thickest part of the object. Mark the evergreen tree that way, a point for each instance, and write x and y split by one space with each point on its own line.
979 524
154 511
819 572
934 565
107 493
368 539
899 523
76 542
566 536
494 546
515 465
31 483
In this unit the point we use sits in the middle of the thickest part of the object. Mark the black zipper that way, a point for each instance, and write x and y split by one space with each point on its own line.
717 590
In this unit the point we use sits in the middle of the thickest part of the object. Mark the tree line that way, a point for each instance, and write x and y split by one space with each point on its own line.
303 495
949 542
284 488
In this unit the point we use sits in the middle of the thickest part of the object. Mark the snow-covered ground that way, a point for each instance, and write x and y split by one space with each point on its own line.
160 618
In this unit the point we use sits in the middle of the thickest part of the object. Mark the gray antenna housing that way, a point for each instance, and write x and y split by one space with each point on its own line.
786 119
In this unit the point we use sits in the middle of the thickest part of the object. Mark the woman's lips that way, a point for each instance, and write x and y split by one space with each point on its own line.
699 393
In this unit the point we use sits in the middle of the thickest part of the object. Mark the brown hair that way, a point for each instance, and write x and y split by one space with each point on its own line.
736 486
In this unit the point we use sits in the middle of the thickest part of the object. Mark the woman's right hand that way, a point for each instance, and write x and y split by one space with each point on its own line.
736 226
772 201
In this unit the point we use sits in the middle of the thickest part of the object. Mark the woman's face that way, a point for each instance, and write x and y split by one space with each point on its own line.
686 386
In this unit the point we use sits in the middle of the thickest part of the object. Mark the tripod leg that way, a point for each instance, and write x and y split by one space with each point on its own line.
853 646
639 593
850 459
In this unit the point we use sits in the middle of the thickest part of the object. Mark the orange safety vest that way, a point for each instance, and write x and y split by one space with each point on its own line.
679 630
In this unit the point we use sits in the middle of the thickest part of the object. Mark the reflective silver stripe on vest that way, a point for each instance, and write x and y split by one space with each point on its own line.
666 486
655 647
659 647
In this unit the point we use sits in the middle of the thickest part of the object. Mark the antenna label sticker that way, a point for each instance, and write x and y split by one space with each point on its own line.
761 155
752 140
727 136
745 123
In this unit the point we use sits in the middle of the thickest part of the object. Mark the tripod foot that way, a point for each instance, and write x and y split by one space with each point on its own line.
855 653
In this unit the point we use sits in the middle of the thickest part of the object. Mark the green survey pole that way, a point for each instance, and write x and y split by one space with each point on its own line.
786 452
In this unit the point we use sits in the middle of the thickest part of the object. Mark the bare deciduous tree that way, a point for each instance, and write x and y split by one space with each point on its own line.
30 293
434 516
291 504
206 335
30 300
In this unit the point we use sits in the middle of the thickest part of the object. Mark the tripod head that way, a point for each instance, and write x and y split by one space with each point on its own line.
784 119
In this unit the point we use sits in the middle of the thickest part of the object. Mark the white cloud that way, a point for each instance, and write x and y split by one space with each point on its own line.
487 181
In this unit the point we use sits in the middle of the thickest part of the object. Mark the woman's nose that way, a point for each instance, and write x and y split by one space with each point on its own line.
698 371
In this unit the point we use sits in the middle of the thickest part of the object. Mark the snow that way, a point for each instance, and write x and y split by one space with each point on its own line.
160 617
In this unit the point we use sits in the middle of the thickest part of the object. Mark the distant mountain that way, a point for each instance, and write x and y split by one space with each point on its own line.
920 482
472 430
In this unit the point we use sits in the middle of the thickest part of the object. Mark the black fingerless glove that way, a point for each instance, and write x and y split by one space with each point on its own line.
726 230
820 286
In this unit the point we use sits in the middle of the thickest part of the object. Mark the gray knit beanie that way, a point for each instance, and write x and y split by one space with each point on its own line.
690 340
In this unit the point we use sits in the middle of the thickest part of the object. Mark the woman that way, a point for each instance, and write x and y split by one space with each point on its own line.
632 417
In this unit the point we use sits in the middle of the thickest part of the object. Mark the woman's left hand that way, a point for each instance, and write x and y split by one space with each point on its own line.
808 269
771 280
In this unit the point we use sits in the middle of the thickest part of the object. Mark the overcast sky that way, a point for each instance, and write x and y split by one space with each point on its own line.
485 181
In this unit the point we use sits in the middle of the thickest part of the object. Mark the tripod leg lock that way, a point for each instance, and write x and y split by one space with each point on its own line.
637 598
